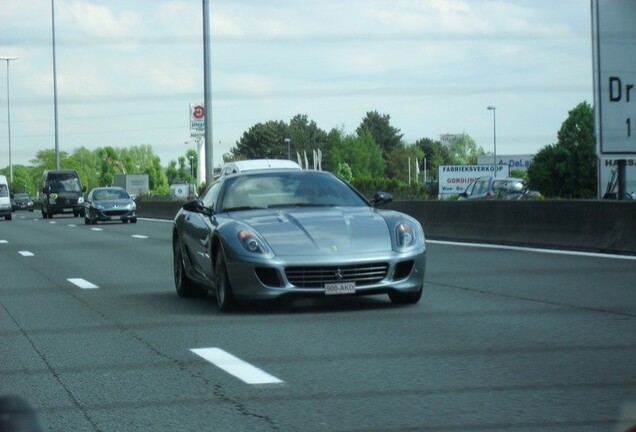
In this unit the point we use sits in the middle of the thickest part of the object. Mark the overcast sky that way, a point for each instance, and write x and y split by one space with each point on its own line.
127 70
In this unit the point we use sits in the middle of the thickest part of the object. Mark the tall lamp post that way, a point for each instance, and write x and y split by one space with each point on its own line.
8 59
287 141
191 187
494 135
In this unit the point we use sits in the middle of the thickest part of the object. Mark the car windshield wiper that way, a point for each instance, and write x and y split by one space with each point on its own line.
300 205
241 208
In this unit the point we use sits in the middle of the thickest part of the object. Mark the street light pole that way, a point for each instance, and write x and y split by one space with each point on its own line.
494 135
287 141
8 59
55 115
191 188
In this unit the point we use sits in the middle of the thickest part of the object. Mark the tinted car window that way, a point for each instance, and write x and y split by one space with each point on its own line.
287 189
210 196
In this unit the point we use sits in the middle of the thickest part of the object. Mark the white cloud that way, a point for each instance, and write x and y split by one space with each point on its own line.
432 65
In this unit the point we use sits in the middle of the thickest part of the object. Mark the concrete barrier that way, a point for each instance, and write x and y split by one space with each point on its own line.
158 209
600 226
603 226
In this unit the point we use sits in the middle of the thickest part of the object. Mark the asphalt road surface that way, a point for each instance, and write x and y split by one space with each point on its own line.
93 335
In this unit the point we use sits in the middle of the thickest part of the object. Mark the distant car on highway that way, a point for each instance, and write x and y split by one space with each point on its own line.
491 188
111 203
22 201
5 198
267 234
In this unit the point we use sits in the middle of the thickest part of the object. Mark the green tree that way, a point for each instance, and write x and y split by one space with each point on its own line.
435 154
263 140
463 150
87 164
143 160
304 135
379 126
344 171
361 153
23 179
398 159
567 169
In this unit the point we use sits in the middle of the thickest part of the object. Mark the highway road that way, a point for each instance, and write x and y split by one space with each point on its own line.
94 336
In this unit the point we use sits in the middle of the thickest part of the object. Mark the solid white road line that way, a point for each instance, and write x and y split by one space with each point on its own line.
537 250
235 366
82 283
26 253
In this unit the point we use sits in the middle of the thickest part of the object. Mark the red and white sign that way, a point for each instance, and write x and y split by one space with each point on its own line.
197 120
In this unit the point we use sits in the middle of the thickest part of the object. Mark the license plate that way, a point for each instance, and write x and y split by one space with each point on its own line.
340 288
115 217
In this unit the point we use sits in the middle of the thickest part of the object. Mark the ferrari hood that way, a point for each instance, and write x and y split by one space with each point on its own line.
322 231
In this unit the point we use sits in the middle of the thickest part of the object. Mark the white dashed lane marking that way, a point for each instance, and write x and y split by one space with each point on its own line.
97 229
139 236
26 253
235 366
82 283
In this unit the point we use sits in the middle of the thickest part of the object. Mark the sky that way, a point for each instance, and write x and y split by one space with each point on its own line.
128 70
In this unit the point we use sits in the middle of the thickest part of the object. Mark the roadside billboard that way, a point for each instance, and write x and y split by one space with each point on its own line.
453 179
521 162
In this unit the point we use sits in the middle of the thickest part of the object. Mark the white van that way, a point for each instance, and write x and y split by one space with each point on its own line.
5 198
256 164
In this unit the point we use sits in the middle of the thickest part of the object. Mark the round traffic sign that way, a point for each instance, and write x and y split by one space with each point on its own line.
198 111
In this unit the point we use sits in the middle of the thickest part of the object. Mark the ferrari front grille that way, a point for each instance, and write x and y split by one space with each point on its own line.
318 276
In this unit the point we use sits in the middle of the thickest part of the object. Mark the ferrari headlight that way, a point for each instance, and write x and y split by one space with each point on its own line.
250 242
405 235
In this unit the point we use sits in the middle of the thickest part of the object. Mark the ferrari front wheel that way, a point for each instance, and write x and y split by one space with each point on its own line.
224 295
184 285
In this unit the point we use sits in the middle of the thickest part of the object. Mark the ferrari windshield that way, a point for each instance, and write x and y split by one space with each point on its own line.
288 189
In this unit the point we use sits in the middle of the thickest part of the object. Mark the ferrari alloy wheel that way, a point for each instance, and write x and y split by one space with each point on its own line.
224 295
184 285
